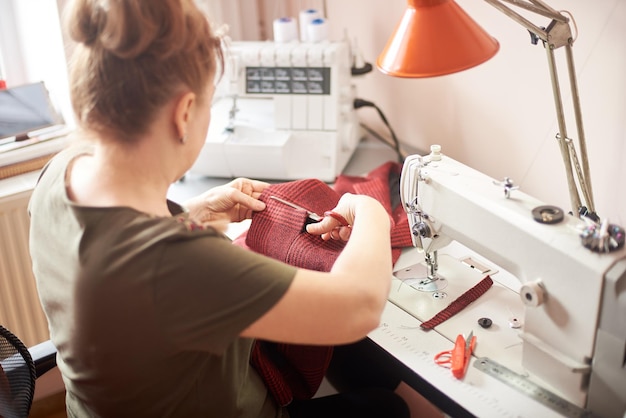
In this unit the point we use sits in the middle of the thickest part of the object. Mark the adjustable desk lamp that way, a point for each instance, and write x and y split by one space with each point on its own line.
436 37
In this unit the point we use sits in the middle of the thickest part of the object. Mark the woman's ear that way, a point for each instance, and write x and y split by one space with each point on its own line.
182 113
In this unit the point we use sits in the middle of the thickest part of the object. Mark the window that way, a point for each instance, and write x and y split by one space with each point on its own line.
31 48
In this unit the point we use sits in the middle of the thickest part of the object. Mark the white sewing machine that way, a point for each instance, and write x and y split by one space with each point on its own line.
564 305
282 111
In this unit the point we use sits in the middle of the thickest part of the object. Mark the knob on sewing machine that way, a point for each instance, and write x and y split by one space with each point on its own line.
508 185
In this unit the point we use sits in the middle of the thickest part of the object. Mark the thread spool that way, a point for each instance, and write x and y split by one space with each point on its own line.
307 16
317 30
532 293
285 29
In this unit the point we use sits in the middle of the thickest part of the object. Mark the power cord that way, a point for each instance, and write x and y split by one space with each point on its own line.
359 103
364 69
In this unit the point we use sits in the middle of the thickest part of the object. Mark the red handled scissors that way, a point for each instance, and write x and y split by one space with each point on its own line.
459 357
312 215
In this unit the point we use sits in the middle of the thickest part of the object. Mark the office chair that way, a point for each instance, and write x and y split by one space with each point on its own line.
19 369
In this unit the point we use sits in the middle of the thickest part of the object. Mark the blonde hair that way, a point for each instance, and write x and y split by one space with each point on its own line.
133 56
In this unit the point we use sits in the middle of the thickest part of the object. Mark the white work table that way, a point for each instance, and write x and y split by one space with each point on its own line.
477 394
413 349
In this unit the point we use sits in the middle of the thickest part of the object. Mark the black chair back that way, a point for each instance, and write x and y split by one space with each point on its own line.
17 376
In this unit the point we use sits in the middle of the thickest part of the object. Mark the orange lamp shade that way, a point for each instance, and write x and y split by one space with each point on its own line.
435 37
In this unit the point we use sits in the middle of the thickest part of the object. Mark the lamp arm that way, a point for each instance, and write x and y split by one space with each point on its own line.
585 176
539 7
554 36
536 7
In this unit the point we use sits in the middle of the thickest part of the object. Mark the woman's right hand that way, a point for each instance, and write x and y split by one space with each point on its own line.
331 228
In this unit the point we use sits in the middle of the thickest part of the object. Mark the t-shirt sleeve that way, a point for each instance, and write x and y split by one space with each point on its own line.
207 291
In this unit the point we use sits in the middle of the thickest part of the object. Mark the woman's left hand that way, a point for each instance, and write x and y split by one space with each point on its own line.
232 202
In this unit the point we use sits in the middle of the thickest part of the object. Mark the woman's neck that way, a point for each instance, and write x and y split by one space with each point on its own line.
136 176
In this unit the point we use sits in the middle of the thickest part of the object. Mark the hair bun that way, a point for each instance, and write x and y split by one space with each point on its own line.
128 28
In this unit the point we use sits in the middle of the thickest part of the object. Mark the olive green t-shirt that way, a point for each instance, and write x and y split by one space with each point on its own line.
146 311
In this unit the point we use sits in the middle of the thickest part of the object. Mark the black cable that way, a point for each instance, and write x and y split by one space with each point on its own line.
366 68
377 136
359 103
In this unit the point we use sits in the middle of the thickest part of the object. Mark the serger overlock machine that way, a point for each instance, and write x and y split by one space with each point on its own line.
567 301
283 110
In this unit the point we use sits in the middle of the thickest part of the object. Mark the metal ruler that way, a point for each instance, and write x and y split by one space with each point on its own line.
530 389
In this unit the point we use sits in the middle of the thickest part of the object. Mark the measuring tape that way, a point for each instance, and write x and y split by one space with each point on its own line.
530 389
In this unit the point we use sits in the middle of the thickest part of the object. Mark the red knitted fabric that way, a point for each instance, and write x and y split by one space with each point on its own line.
383 184
278 231
290 371
296 371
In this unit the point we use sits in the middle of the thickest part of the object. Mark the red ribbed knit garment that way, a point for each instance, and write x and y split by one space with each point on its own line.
296 371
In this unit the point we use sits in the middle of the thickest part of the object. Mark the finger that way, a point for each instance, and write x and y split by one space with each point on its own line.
259 186
345 232
322 227
247 201
325 236
342 221
249 186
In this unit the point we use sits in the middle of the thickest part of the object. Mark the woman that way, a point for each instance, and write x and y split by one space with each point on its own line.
153 311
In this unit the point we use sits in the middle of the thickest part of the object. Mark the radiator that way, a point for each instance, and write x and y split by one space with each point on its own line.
20 309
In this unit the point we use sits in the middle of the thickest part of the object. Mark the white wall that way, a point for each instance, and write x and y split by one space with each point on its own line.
241 16
499 117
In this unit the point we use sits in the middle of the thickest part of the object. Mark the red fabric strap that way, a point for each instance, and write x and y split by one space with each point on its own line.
459 303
